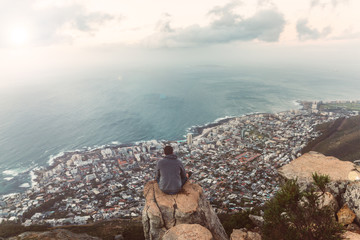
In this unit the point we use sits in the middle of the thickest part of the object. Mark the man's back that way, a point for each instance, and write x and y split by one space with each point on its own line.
170 174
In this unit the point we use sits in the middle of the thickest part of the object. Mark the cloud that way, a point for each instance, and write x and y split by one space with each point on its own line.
315 3
307 33
164 25
326 3
267 3
228 26
89 22
226 9
46 23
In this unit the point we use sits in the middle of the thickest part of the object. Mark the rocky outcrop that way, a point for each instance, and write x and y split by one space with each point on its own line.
58 234
351 236
345 215
338 188
190 206
328 200
303 167
188 232
352 198
352 227
344 175
243 234
257 220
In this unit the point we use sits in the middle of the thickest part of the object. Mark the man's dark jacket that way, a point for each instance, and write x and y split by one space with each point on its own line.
170 174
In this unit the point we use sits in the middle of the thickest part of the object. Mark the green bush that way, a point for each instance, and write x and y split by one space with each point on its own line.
321 181
236 221
295 214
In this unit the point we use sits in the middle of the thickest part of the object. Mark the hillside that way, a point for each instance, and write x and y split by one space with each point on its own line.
340 138
107 230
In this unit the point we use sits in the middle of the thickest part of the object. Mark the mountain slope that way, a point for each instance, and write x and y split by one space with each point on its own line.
340 138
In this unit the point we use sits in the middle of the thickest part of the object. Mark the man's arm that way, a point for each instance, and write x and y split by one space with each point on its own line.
157 173
183 174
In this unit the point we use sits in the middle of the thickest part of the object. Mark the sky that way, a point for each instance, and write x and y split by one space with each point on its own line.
41 39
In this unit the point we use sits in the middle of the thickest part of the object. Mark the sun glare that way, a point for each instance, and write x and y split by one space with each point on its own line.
19 36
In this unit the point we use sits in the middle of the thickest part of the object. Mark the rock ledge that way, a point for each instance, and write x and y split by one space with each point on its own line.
190 206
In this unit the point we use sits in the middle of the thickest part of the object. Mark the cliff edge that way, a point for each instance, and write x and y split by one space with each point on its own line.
163 212
344 175
303 167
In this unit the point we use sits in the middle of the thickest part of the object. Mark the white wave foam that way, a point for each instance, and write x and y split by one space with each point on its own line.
25 185
8 178
53 157
223 118
11 172
297 103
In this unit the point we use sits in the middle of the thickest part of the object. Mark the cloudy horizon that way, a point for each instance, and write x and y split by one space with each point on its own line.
41 37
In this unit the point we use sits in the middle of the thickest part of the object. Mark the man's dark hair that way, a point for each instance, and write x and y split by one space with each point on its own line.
168 150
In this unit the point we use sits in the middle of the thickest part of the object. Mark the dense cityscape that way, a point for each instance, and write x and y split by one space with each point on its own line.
235 162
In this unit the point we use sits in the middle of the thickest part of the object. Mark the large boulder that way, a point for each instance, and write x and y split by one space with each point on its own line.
352 198
162 211
353 227
337 189
341 173
303 167
328 200
345 215
351 236
243 234
188 232
257 220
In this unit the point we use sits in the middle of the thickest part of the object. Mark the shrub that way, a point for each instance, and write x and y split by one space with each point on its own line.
295 214
236 221
321 181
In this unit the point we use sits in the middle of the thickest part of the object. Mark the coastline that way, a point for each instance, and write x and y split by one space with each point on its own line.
249 149
197 131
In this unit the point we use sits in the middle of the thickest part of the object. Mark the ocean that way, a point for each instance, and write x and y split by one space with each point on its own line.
40 120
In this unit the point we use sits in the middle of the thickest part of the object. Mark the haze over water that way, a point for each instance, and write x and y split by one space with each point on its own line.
42 120
86 73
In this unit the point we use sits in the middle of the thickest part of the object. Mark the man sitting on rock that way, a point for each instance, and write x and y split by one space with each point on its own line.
170 172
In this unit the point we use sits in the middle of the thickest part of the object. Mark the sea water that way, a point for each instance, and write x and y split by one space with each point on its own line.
40 121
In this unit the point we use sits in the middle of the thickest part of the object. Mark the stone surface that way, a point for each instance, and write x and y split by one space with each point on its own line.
304 166
345 215
338 188
328 200
257 220
188 232
119 237
352 198
58 234
243 234
353 228
351 236
162 211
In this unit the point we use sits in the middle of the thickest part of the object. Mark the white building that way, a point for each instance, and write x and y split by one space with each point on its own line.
189 139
